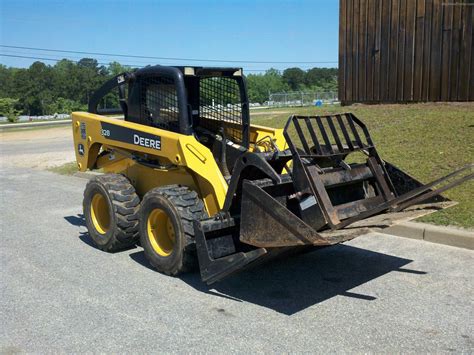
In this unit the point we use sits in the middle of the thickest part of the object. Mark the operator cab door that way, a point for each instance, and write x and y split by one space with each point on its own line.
154 102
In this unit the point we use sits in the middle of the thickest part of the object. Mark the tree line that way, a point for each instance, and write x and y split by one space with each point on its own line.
291 79
67 86
45 89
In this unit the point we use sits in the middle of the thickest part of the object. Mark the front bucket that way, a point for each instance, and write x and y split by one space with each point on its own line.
266 222
268 219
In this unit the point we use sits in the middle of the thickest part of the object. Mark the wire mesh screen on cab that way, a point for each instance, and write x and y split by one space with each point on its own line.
159 103
220 105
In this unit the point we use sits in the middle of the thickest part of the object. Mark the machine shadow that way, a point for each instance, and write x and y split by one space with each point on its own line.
292 284
86 239
77 220
289 285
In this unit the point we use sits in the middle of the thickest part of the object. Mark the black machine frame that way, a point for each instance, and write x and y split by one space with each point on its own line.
187 96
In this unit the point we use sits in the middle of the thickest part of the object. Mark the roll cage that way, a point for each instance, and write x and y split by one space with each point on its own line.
181 99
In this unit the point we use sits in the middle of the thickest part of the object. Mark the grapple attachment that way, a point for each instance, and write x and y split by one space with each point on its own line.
338 188
344 193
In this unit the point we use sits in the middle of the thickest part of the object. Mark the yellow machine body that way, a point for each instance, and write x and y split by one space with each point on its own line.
183 159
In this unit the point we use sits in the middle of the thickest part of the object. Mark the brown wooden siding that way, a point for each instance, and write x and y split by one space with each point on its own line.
406 50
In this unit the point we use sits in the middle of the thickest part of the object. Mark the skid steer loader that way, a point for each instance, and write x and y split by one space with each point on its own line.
190 179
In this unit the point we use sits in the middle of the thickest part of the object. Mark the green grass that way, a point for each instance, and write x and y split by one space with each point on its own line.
425 140
68 169
65 169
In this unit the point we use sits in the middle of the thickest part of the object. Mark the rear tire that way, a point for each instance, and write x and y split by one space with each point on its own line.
111 208
166 228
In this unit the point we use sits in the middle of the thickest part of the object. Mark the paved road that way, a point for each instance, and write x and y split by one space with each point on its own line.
58 293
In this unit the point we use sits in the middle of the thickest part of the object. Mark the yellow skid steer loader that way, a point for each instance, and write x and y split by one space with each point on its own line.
190 179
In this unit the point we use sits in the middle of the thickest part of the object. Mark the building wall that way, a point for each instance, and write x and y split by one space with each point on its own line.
406 50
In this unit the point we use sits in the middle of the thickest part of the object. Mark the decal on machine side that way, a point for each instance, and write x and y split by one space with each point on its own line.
130 136
83 130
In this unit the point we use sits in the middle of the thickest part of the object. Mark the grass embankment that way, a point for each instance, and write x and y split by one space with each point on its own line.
65 169
425 140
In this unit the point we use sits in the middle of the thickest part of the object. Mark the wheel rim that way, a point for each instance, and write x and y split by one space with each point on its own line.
161 232
100 213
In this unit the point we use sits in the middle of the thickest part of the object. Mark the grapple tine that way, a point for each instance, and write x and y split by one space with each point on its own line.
344 132
354 130
403 201
313 136
301 135
433 193
334 133
327 142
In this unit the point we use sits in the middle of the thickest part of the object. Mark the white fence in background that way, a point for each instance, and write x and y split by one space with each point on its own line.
300 98
24 118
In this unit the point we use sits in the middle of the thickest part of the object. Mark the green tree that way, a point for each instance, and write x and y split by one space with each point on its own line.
5 80
321 79
62 105
67 86
294 77
259 86
115 68
32 87
66 80
8 108
22 88
92 76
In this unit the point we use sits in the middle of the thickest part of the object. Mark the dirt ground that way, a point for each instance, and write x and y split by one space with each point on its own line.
37 148
264 112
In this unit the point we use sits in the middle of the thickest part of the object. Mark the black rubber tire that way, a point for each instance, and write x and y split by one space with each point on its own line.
182 206
123 206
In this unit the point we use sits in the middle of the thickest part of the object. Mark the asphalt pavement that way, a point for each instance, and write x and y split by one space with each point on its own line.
376 293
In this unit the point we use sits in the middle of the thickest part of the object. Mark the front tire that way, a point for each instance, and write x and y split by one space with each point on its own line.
166 228
111 208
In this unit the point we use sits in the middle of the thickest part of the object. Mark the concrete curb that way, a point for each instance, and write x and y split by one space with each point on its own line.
435 234
8 126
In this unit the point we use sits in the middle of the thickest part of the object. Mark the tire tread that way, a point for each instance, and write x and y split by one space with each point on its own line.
190 207
126 205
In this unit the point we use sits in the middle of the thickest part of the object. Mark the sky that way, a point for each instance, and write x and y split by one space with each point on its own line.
268 31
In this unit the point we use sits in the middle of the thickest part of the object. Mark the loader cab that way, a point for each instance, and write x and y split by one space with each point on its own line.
209 103
181 99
